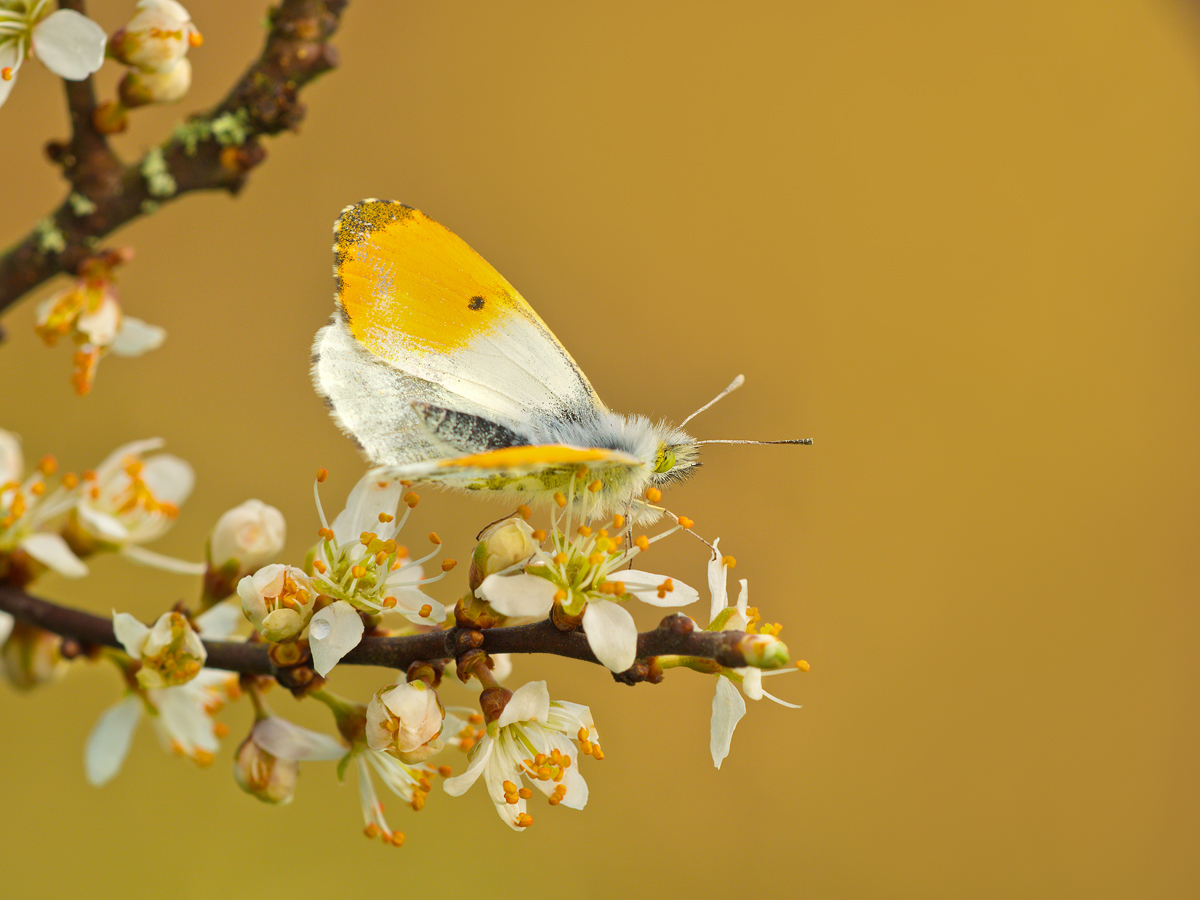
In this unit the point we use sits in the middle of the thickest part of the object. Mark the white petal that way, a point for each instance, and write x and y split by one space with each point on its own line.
69 44
502 666
220 622
183 720
644 586
101 524
288 741
529 703
169 477
137 337
518 595
116 459
8 60
481 753
366 501
727 708
332 633
157 561
6 626
716 582
130 632
108 744
611 634
751 682
51 550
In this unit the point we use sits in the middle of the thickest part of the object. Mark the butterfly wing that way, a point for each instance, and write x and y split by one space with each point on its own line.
423 318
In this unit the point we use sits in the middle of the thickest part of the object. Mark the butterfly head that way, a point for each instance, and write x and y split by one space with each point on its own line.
676 456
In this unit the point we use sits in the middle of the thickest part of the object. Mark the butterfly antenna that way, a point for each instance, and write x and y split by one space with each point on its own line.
796 441
733 386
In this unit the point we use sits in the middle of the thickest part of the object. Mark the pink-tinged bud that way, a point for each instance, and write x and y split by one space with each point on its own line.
278 600
141 88
32 657
157 38
245 539
405 721
764 651
502 545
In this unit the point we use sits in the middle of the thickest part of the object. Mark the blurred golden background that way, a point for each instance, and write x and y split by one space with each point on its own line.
957 244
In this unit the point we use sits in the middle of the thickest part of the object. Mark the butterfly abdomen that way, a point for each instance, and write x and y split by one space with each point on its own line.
465 432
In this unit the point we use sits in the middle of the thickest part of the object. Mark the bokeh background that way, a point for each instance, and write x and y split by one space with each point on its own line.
957 244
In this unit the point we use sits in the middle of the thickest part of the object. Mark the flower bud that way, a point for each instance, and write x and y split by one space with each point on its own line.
261 774
278 600
501 545
405 720
141 88
245 539
157 37
32 657
171 652
764 651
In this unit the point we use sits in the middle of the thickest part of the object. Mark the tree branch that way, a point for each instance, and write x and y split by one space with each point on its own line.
674 636
213 151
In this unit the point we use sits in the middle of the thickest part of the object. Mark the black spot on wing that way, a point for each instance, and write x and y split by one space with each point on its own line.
475 303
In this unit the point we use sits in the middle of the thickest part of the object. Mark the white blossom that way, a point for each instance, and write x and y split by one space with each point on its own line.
66 42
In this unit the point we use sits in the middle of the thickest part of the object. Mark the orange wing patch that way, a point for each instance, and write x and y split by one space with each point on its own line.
410 285
536 457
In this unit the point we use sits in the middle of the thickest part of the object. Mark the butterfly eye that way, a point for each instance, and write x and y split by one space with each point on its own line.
665 461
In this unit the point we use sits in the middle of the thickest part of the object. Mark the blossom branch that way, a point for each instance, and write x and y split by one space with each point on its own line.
676 635
212 151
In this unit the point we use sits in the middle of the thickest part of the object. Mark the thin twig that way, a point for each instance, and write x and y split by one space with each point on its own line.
213 151
675 636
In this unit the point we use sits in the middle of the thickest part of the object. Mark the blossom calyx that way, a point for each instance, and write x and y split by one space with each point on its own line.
278 600
501 546
261 774
170 652
405 721
141 87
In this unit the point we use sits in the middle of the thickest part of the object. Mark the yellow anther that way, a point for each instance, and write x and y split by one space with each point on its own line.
386 517
466 744
618 522
433 538
358 572
426 784
320 566
585 747
220 729
538 535
398 549
642 542
445 771
204 758
418 802
425 610
524 511
37 488
525 793
371 831
380 558
475 718
325 534
595 486
544 773
560 595
619 588
560 559
391 724
653 494
560 499
581 472
389 603
802 665
596 558
583 733
512 799
195 39
48 466
509 787
448 564
322 474
685 522
411 499
524 820
583 531
396 839
366 537
70 480
728 562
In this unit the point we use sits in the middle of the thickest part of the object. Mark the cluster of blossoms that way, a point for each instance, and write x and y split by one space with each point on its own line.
154 44
356 580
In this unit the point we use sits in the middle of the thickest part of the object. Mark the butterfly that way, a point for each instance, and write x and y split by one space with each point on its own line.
442 372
